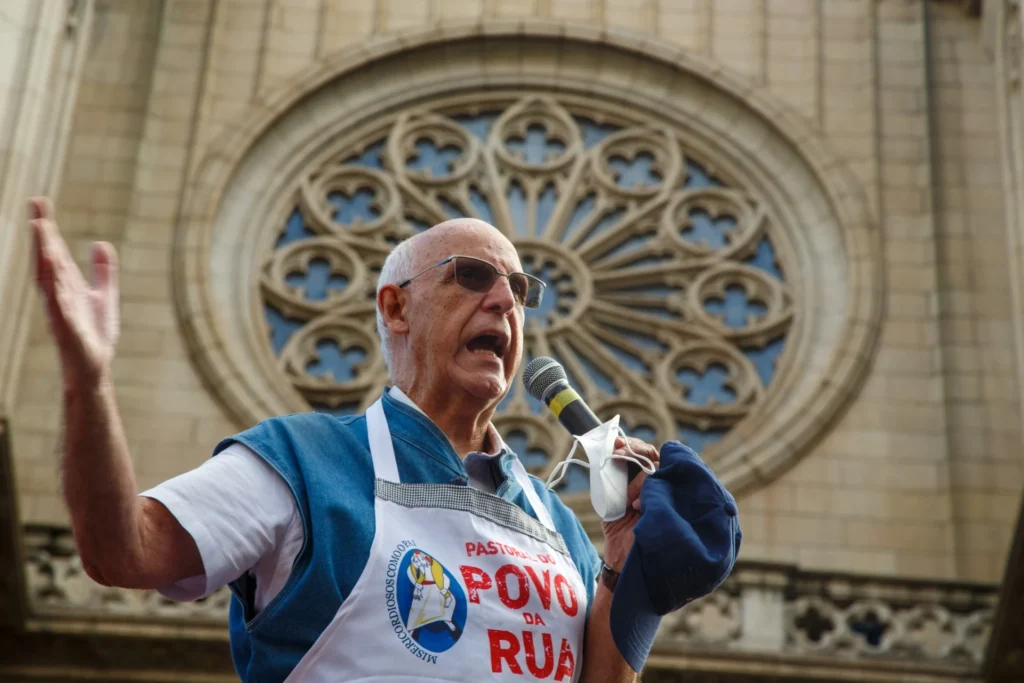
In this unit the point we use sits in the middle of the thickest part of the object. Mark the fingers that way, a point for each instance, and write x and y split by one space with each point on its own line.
104 265
642 448
40 207
56 273
105 281
44 268
638 446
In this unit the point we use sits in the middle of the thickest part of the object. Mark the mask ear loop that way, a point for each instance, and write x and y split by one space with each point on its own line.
650 468
562 467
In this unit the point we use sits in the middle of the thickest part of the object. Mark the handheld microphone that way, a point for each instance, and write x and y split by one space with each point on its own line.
546 381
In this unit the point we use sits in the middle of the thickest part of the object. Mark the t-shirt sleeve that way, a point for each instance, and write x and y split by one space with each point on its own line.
236 507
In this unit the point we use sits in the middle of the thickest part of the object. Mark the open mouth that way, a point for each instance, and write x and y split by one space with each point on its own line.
488 344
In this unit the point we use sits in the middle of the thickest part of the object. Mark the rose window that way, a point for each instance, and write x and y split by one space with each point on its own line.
667 301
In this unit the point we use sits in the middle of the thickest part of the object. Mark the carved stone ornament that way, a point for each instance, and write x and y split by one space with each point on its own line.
57 583
759 609
709 278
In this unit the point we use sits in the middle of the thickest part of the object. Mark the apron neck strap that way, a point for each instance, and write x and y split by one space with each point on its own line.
385 467
543 516
381 449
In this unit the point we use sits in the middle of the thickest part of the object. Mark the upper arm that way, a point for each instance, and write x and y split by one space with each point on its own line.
170 552
216 521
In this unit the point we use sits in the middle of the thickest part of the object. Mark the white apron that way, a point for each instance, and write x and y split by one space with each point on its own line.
460 585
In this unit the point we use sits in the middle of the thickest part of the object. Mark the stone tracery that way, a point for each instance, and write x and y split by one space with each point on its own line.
667 302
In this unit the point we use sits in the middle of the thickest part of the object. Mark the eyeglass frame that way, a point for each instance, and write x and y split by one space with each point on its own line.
543 285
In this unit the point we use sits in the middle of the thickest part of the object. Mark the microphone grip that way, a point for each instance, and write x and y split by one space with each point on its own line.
577 417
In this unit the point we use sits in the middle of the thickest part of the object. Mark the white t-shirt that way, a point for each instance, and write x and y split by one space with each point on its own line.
242 516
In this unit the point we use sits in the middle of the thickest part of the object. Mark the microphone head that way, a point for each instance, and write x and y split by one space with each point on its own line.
540 373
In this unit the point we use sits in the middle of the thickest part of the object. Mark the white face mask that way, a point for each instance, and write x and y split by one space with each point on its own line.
609 475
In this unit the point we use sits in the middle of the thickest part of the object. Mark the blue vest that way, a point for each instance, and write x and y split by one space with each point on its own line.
326 463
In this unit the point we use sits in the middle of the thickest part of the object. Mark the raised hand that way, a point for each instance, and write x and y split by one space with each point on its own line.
84 318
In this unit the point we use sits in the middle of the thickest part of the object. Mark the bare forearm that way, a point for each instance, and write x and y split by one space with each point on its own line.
99 482
602 662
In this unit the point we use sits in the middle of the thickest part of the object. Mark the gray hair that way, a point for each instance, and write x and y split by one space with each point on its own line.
397 268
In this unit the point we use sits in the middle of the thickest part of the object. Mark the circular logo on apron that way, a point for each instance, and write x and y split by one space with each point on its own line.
426 604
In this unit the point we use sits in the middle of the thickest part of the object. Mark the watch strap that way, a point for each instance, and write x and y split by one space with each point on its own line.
608 576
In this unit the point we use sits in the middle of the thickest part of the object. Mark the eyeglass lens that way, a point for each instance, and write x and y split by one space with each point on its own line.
479 276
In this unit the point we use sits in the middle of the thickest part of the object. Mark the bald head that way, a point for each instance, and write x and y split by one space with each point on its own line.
409 257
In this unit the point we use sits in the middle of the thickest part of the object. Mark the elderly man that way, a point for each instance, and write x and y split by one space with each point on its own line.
407 543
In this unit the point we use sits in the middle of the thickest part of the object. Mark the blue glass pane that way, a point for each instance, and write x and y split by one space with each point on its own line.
449 207
697 177
481 205
343 410
294 229
537 148
597 375
332 360
577 480
641 340
764 359
579 214
711 232
632 244
281 328
594 132
350 208
317 280
436 162
552 299
517 207
536 406
649 290
546 202
697 439
416 223
532 458
607 222
736 307
635 173
765 259
643 432
629 360
480 124
509 397
369 158
701 388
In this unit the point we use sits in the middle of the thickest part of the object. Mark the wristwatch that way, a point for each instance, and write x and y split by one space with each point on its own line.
608 576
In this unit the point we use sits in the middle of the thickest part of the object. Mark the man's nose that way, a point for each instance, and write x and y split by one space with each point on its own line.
500 299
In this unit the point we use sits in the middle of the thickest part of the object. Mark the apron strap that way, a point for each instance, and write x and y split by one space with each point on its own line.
543 516
385 467
381 449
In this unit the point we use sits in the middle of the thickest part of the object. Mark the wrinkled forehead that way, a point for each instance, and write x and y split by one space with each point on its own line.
469 238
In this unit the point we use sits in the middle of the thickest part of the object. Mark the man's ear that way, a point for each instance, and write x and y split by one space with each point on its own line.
391 300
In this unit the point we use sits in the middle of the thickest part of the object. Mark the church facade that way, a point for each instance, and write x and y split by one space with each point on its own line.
789 233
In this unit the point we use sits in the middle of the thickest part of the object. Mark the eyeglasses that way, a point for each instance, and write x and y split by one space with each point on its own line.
478 275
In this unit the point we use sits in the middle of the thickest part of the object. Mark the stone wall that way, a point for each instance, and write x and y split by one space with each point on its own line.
919 478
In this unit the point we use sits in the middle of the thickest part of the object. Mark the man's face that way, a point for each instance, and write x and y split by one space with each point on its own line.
463 339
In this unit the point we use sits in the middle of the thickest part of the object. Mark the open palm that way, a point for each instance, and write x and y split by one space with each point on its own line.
84 318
